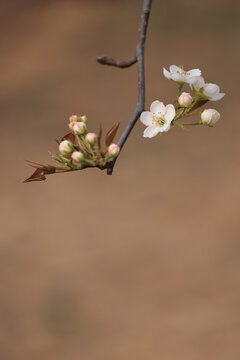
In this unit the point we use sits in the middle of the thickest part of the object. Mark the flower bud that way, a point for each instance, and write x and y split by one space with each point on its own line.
113 150
210 117
66 147
77 156
71 125
185 99
79 128
91 138
73 118
83 118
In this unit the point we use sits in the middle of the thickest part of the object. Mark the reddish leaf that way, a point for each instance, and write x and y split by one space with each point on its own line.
40 172
38 175
70 136
99 136
111 134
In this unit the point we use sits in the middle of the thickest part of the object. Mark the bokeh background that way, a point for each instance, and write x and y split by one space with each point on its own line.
143 264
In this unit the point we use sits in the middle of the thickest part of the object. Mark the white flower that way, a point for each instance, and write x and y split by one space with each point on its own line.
185 99
210 117
211 91
158 119
178 74
66 147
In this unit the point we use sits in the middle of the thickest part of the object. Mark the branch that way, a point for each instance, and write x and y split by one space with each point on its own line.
139 58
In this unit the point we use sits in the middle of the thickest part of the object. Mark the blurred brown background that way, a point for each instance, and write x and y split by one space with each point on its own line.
144 264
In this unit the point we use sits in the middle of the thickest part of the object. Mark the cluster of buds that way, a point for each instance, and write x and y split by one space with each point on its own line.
160 117
80 149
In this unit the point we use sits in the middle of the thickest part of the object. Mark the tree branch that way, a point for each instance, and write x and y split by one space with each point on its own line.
139 58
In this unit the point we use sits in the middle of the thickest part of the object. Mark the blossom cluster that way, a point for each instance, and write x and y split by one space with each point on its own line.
160 117
80 148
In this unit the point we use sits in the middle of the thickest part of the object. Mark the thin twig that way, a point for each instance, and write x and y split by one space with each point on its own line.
139 58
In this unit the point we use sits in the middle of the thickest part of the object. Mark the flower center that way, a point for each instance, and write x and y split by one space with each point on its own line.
159 120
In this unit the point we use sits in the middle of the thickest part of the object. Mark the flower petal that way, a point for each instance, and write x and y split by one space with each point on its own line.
170 113
196 81
166 74
146 118
179 77
165 127
217 97
174 69
211 89
193 72
157 108
151 131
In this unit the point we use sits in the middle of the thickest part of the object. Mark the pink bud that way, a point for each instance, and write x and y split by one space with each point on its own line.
113 150
77 156
91 138
73 118
185 99
79 128
210 117
71 125
66 147
83 118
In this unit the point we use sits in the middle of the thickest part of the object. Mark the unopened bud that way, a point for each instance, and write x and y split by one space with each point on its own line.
73 118
79 128
77 156
72 123
91 138
185 99
113 150
66 147
83 118
210 117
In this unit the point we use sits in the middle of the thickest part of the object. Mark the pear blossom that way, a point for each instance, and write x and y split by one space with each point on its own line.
66 147
113 150
179 75
210 117
158 119
210 91
185 99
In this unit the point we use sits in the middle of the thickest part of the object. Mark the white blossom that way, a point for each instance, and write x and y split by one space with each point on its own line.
177 74
210 91
210 116
158 119
185 99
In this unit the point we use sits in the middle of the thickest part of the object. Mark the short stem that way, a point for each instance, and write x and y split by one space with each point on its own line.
187 124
